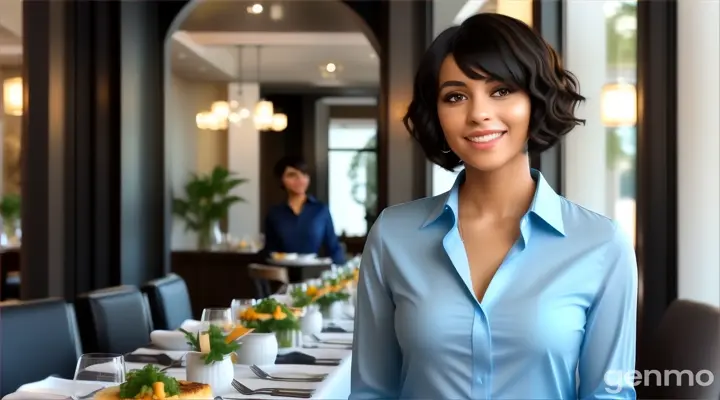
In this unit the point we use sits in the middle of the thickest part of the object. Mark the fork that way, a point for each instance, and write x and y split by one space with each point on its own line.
297 393
264 375
86 396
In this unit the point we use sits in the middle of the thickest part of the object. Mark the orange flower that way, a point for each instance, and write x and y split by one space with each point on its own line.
279 314
311 290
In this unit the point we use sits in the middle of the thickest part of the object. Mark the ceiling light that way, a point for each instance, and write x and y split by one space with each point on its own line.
255 9
330 67
276 12
13 96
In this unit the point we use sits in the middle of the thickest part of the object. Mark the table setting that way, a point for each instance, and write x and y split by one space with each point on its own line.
285 346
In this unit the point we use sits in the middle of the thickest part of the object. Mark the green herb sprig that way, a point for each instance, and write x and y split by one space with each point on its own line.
219 348
268 306
140 381
300 298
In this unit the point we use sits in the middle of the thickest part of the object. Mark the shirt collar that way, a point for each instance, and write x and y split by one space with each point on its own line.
546 204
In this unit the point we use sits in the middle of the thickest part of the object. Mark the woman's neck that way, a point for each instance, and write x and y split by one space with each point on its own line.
504 193
296 199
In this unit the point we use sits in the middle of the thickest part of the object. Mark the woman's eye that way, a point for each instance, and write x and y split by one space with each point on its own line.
454 98
502 92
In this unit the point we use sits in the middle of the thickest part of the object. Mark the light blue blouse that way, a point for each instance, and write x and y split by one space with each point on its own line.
557 320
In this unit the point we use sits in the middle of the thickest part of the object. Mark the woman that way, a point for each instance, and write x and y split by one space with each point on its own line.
301 224
499 288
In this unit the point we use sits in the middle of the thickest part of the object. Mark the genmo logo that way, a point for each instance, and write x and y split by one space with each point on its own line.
615 380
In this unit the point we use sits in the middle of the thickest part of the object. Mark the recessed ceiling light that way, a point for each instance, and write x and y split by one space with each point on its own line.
331 67
256 8
276 12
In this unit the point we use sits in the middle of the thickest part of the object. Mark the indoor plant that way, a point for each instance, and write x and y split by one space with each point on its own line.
10 209
330 297
211 359
207 201
271 316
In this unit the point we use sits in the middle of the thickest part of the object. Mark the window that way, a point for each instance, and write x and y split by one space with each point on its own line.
600 157
352 170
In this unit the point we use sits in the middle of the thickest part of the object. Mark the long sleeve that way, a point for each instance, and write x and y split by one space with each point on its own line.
272 241
331 241
607 355
376 361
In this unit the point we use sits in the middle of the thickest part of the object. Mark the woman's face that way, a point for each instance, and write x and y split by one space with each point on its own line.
485 122
295 181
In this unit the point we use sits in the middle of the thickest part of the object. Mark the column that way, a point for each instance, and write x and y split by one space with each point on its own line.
244 159
95 199
584 150
698 150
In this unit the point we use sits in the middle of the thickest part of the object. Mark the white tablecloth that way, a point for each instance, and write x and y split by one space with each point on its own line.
335 386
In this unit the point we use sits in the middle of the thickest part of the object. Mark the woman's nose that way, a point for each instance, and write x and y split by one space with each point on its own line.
480 111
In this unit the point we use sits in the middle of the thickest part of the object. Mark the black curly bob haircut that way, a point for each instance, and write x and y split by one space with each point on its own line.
508 51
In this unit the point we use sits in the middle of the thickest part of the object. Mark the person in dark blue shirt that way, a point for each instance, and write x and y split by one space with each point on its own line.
301 224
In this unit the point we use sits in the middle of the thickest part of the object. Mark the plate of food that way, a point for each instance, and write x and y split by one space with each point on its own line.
150 383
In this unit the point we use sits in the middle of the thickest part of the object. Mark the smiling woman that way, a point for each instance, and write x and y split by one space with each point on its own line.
532 287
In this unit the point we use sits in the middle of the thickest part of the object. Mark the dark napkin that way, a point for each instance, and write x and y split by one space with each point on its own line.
299 358
334 329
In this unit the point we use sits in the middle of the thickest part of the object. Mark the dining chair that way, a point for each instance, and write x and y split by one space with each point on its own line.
114 320
685 352
38 338
169 301
268 279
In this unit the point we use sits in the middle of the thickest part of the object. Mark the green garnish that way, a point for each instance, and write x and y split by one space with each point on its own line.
219 348
140 381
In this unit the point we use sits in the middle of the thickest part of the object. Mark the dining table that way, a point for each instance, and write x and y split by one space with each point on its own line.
336 385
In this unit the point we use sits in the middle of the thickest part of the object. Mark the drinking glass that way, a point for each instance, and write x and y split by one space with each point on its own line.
102 367
238 306
220 317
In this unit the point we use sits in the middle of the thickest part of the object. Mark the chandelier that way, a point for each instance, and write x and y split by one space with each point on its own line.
223 113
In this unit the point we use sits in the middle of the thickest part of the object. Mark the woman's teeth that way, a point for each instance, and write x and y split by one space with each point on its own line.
485 138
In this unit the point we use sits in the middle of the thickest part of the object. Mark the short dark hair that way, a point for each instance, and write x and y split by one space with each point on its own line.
292 161
509 51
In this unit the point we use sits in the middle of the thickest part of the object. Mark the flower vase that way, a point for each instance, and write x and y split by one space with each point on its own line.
287 340
219 374
333 311
258 348
312 322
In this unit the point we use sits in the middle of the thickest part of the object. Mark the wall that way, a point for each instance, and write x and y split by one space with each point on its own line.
10 132
191 150
698 153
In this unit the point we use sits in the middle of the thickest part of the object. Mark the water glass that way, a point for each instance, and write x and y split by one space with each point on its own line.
220 317
101 367
238 306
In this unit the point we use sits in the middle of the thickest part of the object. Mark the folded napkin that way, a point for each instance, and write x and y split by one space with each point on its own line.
53 388
299 358
338 326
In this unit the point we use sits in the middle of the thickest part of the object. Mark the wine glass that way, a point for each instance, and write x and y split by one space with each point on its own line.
102 367
238 306
220 317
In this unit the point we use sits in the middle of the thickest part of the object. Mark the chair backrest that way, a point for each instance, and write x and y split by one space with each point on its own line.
169 301
114 320
38 338
264 275
685 348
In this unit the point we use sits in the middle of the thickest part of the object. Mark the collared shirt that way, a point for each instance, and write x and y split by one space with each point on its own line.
303 233
557 320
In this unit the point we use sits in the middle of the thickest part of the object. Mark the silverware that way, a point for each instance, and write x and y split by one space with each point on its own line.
296 393
175 364
264 375
86 396
315 346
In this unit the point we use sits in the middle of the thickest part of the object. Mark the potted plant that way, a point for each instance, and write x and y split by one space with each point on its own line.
330 297
271 316
210 360
10 209
207 201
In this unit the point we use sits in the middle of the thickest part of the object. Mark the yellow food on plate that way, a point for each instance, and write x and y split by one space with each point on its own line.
188 390
149 383
278 256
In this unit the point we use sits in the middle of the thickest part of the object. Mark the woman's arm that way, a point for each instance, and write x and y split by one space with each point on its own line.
376 360
272 241
607 355
332 243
